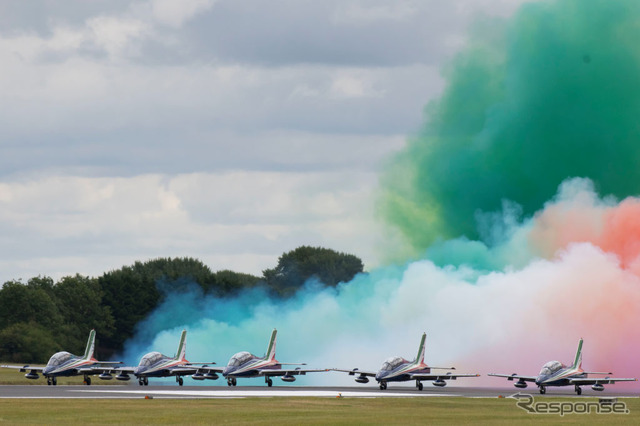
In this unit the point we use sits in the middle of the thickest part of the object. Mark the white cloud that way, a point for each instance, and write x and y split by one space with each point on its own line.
176 13
234 220
114 34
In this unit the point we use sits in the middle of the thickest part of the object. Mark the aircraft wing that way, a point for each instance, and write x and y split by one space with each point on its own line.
356 371
183 370
291 372
599 381
515 376
119 370
24 368
209 369
92 370
445 376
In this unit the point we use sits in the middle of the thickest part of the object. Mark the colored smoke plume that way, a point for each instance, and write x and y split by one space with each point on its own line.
511 320
518 199
554 93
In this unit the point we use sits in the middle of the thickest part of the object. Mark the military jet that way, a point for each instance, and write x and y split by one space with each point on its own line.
65 364
398 369
554 373
245 364
155 364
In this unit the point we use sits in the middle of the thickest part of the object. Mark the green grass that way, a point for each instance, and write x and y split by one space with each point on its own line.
289 411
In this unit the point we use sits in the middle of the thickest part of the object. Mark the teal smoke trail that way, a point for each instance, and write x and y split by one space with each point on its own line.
553 93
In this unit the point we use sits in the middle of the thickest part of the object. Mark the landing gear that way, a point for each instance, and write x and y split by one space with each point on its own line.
52 381
87 380
48 381
143 381
179 380
231 381
383 385
419 385
543 390
268 381
578 390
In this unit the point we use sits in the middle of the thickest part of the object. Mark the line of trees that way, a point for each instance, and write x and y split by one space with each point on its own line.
41 317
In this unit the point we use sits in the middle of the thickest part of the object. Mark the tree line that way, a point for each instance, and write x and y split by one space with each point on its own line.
40 317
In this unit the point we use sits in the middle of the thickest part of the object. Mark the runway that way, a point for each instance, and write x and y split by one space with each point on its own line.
199 392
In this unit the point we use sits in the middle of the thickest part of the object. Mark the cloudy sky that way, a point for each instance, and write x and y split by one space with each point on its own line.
231 130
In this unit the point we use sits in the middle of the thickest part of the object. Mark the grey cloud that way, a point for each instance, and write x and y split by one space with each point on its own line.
258 119
275 33
41 16
291 32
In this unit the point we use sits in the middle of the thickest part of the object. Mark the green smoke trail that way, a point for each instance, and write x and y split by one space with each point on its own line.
551 94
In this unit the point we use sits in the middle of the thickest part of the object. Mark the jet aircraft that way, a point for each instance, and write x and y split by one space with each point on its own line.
155 364
245 364
554 373
398 369
65 364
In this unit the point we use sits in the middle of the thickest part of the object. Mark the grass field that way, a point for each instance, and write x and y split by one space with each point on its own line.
438 410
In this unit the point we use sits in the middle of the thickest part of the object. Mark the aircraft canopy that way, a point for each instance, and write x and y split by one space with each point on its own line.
239 359
550 368
151 358
392 363
59 358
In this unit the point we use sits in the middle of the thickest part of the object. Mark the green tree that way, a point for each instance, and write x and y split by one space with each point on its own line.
227 282
297 266
80 302
28 343
29 303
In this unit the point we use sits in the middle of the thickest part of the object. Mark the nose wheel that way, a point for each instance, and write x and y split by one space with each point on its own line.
269 382
419 385
578 390
543 390
143 381
231 381
179 380
383 385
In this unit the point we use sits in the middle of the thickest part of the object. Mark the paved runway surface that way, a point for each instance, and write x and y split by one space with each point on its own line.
177 392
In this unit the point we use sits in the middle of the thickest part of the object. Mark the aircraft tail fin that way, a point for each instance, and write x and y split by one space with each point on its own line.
182 347
577 362
421 349
91 345
271 349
